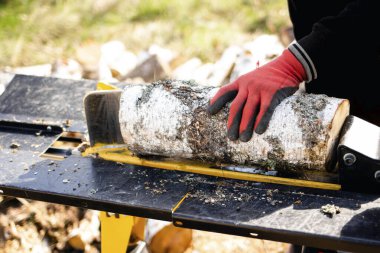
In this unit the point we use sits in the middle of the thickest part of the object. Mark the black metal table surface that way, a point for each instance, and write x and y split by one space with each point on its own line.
283 213
268 211
45 101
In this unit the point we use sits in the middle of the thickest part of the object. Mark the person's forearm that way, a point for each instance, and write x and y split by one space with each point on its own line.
356 27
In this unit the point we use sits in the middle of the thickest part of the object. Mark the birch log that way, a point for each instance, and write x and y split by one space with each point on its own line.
169 119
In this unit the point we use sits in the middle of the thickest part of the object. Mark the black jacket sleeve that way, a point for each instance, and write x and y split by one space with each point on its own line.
356 28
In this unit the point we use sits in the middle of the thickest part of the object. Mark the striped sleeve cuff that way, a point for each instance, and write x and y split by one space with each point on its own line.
305 60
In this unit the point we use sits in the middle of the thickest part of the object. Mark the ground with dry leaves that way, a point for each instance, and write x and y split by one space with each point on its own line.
38 227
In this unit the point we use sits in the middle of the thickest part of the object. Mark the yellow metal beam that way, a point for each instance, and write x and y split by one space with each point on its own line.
179 203
121 154
105 86
115 232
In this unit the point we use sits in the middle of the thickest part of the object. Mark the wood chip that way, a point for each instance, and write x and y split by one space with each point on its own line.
14 145
330 210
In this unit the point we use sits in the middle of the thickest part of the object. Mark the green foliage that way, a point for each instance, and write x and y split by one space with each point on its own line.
147 10
39 31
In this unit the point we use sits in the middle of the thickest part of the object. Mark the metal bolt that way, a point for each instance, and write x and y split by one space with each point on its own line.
377 176
349 159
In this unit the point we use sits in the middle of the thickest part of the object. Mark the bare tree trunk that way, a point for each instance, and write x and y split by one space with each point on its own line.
169 119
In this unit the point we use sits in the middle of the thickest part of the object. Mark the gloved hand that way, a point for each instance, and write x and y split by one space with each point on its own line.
256 94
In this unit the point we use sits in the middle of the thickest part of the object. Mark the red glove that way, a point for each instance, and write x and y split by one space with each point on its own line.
256 94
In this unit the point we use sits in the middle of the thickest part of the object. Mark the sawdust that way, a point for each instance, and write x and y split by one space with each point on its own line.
220 195
156 187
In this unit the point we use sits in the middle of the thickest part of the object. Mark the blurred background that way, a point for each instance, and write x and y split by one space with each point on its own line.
211 41
40 31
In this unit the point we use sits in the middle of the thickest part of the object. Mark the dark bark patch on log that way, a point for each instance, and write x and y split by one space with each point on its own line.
145 96
183 89
306 112
277 152
201 136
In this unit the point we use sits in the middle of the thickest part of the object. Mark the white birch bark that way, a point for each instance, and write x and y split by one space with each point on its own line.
169 119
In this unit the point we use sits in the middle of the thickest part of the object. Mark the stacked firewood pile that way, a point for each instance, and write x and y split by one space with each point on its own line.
112 62
31 226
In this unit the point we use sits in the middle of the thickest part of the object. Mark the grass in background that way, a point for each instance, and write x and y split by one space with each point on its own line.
40 31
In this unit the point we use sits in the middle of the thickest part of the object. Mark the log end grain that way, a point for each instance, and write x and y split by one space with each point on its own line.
342 111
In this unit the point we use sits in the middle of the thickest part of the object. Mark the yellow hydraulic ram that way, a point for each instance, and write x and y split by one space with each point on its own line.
119 153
